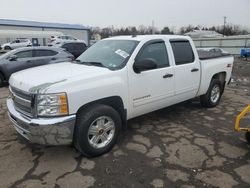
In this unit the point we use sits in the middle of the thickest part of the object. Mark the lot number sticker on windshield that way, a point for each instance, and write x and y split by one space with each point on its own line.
122 53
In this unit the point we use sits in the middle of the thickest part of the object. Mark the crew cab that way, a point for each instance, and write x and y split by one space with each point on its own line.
89 101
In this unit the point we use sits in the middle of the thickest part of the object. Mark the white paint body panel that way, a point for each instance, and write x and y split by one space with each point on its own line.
140 93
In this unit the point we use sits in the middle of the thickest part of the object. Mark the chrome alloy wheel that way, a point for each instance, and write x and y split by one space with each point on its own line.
101 132
215 94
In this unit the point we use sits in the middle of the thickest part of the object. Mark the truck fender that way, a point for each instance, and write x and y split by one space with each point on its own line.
113 101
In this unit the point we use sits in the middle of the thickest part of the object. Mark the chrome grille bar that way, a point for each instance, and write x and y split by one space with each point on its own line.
22 101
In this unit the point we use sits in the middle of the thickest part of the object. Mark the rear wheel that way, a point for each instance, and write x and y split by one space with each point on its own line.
248 137
7 48
213 95
97 129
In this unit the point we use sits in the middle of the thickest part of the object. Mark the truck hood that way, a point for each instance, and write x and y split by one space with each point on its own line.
38 79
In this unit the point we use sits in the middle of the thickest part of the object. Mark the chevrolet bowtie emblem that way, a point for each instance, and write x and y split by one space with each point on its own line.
12 96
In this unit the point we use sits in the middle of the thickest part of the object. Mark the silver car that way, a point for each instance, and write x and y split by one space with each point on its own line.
24 58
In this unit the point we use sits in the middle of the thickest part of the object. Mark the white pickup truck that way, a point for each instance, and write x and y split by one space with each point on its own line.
89 101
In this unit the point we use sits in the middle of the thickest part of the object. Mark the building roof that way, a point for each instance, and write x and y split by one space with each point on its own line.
40 24
28 33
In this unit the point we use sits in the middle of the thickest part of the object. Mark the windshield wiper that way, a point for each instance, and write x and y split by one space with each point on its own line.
76 61
99 64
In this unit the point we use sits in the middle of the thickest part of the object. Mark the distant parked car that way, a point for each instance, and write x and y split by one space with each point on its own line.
24 58
75 48
213 49
18 43
245 52
57 40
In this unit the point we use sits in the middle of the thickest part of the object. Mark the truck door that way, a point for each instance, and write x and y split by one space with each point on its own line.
187 70
151 89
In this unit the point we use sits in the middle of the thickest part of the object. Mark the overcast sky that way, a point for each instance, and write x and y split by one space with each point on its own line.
173 13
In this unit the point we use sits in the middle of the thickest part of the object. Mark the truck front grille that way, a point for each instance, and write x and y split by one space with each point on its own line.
22 101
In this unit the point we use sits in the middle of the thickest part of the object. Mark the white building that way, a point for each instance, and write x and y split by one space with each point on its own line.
40 31
203 34
231 44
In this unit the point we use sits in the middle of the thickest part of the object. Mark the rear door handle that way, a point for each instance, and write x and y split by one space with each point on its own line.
53 58
168 75
29 61
194 70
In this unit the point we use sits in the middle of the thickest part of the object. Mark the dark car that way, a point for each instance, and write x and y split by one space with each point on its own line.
75 48
24 58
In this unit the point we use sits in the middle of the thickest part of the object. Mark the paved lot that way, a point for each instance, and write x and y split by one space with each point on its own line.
181 146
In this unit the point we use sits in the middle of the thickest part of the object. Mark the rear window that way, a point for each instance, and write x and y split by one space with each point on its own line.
74 46
183 52
42 53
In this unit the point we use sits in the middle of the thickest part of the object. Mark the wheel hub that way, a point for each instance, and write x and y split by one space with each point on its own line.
215 94
101 132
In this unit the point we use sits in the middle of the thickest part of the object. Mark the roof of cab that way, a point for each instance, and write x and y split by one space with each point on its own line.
148 37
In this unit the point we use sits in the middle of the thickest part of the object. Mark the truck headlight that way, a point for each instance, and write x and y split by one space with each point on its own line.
52 105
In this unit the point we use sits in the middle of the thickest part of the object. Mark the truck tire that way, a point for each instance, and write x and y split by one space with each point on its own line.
97 129
248 137
1 80
213 95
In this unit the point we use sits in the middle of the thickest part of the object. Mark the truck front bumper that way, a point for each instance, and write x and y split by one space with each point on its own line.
46 131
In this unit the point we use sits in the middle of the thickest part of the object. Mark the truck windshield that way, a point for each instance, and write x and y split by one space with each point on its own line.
112 54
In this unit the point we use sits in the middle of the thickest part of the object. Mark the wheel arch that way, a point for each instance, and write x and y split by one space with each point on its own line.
115 102
221 76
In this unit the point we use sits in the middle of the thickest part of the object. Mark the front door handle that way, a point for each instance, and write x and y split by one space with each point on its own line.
168 75
29 61
194 70
53 58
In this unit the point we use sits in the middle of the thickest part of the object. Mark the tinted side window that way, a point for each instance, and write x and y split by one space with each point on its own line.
156 51
79 46
183 52
24 54
71 38
42 53
68 47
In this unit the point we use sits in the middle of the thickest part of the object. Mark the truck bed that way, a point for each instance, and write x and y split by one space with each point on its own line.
203 55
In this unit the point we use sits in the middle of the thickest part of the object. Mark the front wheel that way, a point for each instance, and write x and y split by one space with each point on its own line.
213 95
97 129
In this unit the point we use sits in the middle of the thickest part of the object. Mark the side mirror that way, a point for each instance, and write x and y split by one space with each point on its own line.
144 64
13 58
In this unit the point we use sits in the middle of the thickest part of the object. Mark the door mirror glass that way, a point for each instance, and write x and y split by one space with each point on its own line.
144 64
13 58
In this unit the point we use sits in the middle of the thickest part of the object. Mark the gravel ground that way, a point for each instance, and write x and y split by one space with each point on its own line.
181 146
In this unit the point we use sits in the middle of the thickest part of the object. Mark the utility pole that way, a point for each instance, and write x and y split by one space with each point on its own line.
224 27
153 27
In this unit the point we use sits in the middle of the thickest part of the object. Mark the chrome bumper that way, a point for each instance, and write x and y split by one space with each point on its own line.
46 131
